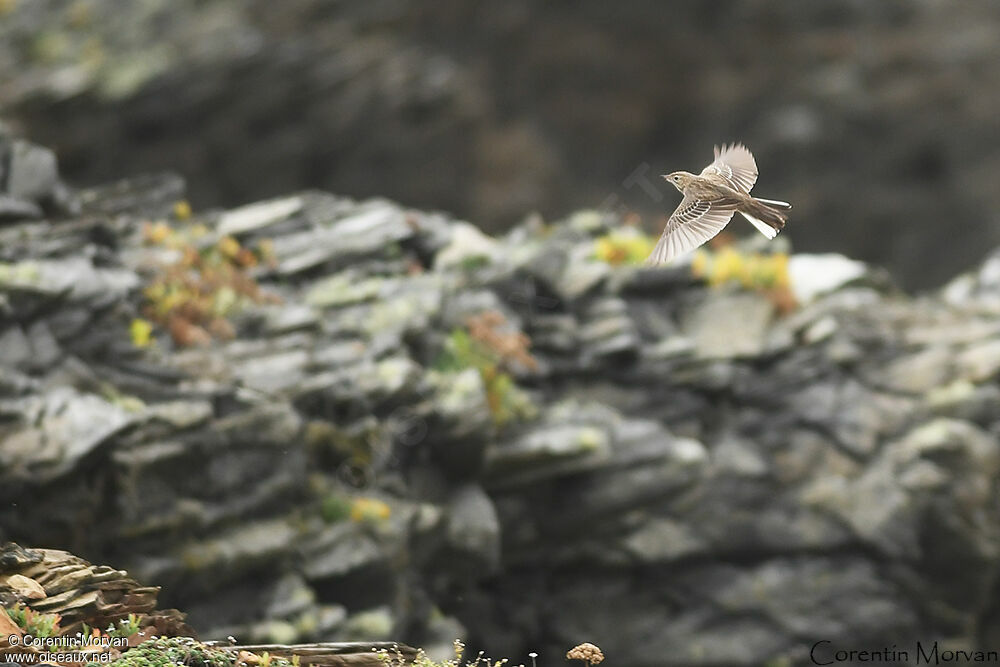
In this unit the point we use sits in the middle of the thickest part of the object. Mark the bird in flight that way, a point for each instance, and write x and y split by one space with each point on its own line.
711 199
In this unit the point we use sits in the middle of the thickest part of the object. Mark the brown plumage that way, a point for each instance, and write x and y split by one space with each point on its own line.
711 199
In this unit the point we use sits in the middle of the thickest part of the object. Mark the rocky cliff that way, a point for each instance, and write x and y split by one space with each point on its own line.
492 111
409 430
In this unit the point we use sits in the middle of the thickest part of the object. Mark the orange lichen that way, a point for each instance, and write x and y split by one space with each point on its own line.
193 294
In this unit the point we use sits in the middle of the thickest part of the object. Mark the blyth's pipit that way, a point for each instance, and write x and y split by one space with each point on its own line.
711 199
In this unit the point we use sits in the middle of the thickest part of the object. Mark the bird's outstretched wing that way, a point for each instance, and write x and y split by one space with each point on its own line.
694 222
736 165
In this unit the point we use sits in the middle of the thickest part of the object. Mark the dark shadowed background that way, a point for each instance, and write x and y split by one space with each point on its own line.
877 119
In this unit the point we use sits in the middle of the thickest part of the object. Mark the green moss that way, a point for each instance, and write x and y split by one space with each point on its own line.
22 273
506 401
168 652
33 622
474 262
335 508
173 651
126 627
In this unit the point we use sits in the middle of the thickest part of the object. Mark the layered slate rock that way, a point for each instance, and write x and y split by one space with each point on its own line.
50 581
493 111
678 464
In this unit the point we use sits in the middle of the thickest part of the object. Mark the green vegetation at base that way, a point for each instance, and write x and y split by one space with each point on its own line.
33 622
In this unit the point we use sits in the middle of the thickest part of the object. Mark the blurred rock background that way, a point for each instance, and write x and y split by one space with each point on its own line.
339 462
526 442
878 120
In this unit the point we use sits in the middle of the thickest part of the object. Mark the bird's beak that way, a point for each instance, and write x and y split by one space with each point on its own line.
665 177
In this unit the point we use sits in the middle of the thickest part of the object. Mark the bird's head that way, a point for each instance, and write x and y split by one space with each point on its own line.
679 179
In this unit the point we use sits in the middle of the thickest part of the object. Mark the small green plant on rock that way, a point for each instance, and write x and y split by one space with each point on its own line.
173 651
165 652
126 627
194 295
335 508
487 347
33 622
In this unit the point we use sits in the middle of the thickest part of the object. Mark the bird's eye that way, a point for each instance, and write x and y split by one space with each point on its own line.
677 178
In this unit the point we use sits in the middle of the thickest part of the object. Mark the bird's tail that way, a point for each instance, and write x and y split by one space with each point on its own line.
767 215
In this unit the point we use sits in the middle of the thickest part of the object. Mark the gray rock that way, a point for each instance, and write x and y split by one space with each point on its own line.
54 432
965 401
13 384
946 331
337 551
668 466
189 481
344 289
461 405
12 208
729 325
32 173
150 196
393 378
549 451
15 349
738 457
44 347
669 348
711 375
791 594
375 306
555 332
375 225
274 373
458 308
857 417
582 274
726 481
83 281
979 362
813 275
878 510
820 330
239 550
466 245
290 596
369 625
918 373
473 530
181 414
606 330
433 231
339 355
652 280
253 217
369 230
662 540
291 612
288 318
